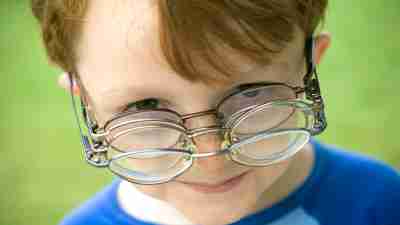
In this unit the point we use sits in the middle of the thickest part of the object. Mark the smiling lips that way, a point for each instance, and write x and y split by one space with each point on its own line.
216 188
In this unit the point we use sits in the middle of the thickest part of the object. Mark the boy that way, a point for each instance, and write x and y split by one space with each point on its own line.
205 110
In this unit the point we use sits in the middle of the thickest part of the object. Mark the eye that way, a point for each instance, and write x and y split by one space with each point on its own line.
145 104
249 90
251 93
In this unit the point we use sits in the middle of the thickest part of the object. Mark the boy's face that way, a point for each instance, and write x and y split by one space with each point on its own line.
121 62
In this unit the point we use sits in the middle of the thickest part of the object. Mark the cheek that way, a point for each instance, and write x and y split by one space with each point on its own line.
266 176
257 181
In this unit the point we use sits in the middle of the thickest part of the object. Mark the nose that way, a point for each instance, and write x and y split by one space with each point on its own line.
209 139
210 143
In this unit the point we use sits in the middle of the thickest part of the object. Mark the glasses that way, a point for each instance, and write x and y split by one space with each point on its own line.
260 124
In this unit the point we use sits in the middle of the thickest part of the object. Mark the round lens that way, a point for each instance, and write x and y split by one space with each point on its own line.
271 132
268 148
271 116
146 146
150 166
241 101
265 118
145 130
146 136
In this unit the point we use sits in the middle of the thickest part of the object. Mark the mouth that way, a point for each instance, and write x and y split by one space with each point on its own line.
224 186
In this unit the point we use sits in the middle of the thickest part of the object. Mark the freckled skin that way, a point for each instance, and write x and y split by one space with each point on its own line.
121 61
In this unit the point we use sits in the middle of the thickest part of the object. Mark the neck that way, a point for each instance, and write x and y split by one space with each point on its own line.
144 207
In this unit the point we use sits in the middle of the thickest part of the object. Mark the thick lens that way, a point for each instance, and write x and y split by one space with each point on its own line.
145 146
271 116
265 118
266 149
144 137
150 166
145 130
271 132
242 101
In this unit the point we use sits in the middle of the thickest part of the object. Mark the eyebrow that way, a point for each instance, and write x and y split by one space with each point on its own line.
122 94
238 87
121 98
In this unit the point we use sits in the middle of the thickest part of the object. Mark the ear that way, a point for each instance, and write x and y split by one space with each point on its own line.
65 83
322 43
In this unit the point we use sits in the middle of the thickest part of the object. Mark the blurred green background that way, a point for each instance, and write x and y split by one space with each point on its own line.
42 172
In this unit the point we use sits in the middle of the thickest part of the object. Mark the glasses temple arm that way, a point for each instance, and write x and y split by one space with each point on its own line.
312 87
95 158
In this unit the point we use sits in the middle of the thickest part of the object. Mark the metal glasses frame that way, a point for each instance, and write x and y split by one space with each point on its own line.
96 146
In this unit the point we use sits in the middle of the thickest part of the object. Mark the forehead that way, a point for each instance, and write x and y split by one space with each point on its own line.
120 55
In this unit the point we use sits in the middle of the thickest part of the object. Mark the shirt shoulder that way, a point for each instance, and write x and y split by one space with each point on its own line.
345 167
343 188
101 209
356 187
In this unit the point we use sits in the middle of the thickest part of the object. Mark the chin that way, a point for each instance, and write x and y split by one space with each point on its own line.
223 206
219 205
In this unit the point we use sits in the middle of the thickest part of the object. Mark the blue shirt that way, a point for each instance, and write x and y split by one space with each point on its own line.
343 188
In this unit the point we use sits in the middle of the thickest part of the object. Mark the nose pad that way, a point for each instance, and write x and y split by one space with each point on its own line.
208 138
208 143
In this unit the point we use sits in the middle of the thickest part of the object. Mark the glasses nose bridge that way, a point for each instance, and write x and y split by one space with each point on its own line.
209 142
211 127
215 128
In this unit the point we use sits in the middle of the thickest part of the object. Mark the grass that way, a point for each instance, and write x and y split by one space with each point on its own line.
43 174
